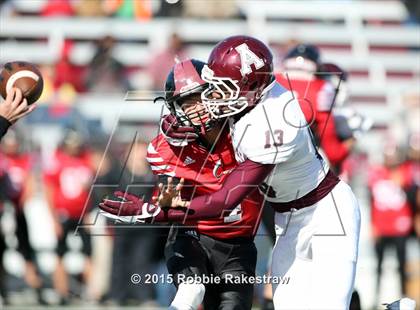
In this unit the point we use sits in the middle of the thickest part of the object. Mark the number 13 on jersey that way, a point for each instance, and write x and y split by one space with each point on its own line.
273 138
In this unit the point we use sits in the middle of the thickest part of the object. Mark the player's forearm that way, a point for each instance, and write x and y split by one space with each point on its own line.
240 183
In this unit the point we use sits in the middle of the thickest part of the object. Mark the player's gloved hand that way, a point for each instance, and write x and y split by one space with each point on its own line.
126 207
169 195
176 134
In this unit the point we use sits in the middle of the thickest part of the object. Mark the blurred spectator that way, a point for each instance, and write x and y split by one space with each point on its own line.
411 171
66 72
413 10
138 9
4 188
68 178
170 8
105 73
211 9
135 246
89 8
280 52
316 98
57 8
7 8
108 172
3 293
19 169
411 110
48 75
391 213
164 60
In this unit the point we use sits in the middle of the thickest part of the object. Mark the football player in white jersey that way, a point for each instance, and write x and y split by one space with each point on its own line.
317 215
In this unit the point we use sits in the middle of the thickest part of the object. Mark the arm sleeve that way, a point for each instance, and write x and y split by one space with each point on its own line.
241 182
4 125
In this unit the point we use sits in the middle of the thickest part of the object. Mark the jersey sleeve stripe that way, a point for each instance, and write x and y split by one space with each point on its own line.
165 167
158 164
154 160
151 149
164 172
152 155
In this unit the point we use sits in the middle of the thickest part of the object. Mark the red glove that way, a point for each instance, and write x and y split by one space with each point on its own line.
126 207
175 133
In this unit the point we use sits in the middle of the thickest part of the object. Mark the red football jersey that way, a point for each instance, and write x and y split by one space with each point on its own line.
316 98
19 167
391 213
204 173
70 179
410 171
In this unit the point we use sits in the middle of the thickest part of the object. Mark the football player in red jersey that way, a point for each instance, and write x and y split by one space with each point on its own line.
316 96
221 247
19 166
317 215
392 218
349 124
68 178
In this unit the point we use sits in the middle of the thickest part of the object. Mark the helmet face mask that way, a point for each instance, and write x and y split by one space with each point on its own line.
188 111
222 97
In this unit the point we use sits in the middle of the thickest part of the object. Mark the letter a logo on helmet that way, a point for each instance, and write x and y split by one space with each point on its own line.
247 59
233 84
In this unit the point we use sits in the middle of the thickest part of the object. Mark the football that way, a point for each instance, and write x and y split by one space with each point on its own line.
23 75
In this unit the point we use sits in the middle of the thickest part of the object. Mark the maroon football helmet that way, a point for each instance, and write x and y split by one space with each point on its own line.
183 82
239 71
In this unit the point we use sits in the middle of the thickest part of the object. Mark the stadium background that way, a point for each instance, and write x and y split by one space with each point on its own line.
377 42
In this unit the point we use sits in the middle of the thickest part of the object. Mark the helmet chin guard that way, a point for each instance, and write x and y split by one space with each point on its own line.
229 102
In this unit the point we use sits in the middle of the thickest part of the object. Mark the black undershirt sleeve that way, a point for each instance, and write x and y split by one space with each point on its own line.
4 126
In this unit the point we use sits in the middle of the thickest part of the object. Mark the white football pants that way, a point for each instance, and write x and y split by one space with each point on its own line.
316 248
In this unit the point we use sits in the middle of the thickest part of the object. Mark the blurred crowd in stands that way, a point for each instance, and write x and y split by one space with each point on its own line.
144 10
140 9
